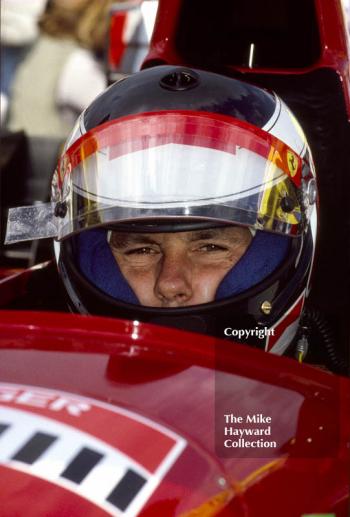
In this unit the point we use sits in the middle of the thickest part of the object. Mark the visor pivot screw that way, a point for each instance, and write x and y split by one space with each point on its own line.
312 191
287 204
180 80
266 307
61 209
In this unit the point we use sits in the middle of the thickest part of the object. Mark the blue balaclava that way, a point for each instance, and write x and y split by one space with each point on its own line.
96 261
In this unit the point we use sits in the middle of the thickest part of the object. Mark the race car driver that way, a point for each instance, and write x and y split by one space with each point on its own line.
184 198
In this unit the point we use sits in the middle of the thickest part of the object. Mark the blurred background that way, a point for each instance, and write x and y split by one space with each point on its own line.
56 57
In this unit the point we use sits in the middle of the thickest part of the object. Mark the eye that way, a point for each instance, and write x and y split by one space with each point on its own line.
212 248
145 250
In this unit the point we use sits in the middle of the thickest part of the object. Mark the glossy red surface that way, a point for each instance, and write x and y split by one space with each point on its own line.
24 496
117 47
186 383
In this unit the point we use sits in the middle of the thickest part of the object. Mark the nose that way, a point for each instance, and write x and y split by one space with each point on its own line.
174 285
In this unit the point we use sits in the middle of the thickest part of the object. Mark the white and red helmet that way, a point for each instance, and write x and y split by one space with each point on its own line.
170 149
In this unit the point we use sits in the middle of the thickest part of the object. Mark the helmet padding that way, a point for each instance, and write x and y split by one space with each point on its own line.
97 263
266 252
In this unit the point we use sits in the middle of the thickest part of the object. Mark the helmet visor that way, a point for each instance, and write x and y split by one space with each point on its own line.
178 164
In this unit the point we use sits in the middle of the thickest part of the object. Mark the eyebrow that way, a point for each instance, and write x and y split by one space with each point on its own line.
121 240
203 235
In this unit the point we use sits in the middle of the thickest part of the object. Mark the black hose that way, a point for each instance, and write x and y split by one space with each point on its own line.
316 321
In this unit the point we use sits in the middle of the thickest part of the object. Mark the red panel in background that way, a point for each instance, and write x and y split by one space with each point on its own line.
117 45
335 51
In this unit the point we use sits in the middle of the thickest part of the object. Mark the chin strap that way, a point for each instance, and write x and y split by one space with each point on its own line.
96 261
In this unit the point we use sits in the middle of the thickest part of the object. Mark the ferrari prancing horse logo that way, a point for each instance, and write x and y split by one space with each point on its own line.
292 162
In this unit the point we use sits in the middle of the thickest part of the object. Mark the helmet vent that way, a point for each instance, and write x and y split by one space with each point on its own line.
180 80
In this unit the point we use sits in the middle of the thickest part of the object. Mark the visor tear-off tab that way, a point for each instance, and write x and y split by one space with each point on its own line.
27 223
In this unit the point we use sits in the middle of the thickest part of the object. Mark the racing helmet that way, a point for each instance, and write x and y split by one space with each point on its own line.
173 149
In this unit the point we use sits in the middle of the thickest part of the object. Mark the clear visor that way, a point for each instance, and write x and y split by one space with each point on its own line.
174 164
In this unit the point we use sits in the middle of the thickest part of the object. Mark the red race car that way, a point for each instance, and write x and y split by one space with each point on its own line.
107 416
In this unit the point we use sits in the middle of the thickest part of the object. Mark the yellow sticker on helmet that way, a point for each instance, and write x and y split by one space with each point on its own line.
293 162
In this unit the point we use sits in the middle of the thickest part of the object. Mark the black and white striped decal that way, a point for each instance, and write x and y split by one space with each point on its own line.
77 461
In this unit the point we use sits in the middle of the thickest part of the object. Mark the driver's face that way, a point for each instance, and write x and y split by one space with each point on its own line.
178 269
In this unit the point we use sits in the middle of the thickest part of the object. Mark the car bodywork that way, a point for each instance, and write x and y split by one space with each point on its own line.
87 397
103 416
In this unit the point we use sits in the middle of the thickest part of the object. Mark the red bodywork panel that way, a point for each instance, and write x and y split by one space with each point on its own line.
183 384
334 42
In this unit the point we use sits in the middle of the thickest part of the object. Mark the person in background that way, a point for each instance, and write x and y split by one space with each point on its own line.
83 75
64 70
19 30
